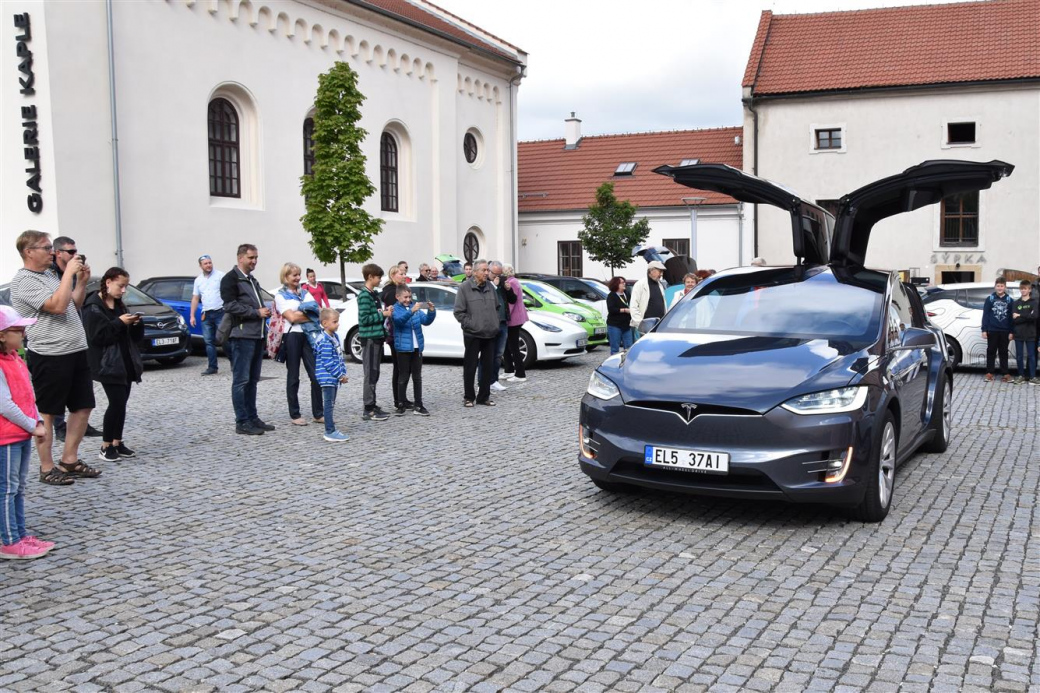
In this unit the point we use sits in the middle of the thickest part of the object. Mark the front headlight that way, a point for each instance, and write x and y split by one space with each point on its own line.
547 328
601 387
180 321
575 317
843 399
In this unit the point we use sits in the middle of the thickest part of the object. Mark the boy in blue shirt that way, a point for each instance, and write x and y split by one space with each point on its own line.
329 370
408 341
996 329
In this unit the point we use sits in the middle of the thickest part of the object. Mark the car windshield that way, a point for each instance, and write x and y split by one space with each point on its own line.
780 304
596 288
453 267
136 297
549 294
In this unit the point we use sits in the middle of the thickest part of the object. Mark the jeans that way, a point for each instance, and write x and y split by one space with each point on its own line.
328 396
371 356
298 348
619 338
997 344
14 473
513 356
247 356
115 415
478 351
409 365
209 335
1025 353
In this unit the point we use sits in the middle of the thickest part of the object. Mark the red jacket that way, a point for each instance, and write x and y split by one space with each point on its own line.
318 294
20 385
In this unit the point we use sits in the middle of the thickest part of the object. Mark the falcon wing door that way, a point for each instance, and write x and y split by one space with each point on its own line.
811 226
918 186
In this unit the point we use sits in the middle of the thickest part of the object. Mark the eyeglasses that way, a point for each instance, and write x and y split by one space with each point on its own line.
48 248
70 251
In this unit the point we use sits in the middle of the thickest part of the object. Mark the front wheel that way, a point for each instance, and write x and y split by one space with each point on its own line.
354 345
956 353
528 350
942 417
881 476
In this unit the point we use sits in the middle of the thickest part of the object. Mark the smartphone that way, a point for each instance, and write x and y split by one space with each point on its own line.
83 259
138 314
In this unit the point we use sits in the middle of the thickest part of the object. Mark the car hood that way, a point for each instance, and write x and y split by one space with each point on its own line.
728 370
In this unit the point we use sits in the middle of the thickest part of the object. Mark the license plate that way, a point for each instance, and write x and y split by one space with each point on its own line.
582 342
686 460
599 331
163 341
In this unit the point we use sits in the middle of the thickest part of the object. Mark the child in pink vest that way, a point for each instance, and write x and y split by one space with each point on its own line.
19 422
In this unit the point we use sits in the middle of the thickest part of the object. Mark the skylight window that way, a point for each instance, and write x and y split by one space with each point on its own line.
625 169
689 162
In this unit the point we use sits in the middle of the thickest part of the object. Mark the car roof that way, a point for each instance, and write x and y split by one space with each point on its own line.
176 277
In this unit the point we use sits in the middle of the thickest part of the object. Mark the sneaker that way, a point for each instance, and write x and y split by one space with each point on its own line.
92 432
1018 381
515 379
401 411
376 414
407 404
498 387
1006 379
421 411
22 550
988 378
125 452
505 376
48 545
109 454
262 425
210 371
336 437
248 429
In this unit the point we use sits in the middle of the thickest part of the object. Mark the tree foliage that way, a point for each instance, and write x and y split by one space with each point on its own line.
611 231
340 228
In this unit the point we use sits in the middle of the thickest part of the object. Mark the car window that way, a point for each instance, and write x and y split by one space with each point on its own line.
168 291
334 290
418 293
594 291
442 298
136 297
894 333
902 305
549 294
976 298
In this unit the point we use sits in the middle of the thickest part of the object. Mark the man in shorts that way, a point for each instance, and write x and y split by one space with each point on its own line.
57 351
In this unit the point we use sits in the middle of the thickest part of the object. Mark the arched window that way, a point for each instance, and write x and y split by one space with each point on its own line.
388 173
469 147
471 247
224 160
308 146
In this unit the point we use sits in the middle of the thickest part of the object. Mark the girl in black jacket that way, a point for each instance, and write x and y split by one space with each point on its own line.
115 362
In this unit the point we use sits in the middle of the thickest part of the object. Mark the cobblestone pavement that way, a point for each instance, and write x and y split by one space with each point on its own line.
467 552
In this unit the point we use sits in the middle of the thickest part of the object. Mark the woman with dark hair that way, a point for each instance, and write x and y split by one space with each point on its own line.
115 362
316 290
619 330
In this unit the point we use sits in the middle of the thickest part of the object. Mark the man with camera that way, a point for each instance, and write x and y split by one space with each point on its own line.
57 352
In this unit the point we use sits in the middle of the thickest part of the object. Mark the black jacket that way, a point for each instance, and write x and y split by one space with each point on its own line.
1026 322
241 302
111 345
615 318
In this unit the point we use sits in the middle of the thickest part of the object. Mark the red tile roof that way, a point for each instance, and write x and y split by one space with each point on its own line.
897 46
454 30
551 178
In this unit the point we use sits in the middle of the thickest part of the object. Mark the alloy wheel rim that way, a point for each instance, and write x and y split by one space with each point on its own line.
947 413
523 347
887 465
355 347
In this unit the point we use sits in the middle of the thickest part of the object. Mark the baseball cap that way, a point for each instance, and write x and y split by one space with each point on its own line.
656 264
9 318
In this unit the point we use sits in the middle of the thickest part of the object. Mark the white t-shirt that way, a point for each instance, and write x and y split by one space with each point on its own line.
282 304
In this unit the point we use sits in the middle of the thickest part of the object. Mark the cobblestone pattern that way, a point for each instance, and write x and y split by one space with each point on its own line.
466 551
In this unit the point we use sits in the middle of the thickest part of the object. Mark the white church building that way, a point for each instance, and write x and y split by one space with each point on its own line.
154 131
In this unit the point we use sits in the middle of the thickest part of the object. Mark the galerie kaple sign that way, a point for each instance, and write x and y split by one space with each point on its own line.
30 126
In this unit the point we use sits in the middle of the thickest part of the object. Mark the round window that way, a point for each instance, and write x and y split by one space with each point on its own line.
469 147
471 247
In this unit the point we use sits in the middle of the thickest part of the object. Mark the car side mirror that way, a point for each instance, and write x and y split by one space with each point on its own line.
528 303
917 338
648 324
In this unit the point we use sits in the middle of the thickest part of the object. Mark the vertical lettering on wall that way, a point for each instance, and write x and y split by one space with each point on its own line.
30 121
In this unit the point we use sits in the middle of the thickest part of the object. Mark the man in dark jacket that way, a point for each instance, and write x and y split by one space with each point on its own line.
476 309
1024 315
996 329
245 341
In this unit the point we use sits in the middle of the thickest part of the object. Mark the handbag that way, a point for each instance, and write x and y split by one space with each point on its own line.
223 330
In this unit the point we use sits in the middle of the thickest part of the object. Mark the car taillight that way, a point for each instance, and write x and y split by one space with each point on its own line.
931 314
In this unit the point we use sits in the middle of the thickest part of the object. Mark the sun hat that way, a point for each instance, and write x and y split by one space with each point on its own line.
9 318
656 264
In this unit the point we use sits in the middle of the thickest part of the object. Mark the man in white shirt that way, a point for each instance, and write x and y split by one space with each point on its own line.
207 290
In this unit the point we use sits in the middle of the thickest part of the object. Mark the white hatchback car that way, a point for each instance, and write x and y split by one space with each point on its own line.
544 337
956 309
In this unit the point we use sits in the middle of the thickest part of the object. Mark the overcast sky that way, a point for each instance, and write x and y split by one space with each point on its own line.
627 66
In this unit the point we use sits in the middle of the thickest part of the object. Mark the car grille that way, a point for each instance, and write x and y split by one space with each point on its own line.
689 413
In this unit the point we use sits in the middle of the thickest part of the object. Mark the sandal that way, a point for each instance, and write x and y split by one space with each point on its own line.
298 422
55 478
79 470
487 403
468 403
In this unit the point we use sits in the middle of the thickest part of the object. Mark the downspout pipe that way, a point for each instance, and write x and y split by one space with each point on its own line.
514 214
749 103
115 135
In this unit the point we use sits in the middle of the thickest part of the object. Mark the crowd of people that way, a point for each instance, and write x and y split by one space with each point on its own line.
1006 320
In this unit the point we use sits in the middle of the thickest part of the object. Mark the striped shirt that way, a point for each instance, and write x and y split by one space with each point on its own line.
53 334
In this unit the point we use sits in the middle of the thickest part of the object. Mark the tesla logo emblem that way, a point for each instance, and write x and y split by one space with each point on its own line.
689 408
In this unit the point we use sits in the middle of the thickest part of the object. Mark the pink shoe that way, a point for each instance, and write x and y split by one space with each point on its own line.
23 550
39 542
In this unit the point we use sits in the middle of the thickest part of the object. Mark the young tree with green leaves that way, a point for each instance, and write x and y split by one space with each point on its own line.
611 231
340 228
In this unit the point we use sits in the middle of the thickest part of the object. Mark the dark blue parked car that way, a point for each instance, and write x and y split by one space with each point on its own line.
806 383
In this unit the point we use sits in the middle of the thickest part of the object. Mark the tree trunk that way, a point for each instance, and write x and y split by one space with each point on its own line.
343 274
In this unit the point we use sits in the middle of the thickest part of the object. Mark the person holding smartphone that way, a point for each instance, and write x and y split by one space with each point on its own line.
115 362
408 339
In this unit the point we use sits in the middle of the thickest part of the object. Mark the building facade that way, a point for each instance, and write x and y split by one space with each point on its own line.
212 100
558 181
837 100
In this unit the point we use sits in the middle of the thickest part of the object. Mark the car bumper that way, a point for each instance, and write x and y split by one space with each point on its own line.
150 351
778 455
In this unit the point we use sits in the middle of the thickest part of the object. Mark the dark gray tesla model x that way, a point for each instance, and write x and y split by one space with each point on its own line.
809 383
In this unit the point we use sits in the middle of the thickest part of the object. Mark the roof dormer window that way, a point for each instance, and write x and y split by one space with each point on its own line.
626 168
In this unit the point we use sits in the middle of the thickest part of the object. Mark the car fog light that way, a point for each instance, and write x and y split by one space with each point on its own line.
584 443
840 468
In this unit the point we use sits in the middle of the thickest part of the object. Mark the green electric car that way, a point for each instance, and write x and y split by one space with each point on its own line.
541 296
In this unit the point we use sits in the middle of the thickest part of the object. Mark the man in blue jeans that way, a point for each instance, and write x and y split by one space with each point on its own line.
246 339
207 290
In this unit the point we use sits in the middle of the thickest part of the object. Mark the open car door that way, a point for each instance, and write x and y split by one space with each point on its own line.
811 226
918 186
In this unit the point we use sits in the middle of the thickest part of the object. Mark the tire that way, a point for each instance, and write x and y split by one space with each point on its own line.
528 349
942 416
956 353
173 360
354 345
881 476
